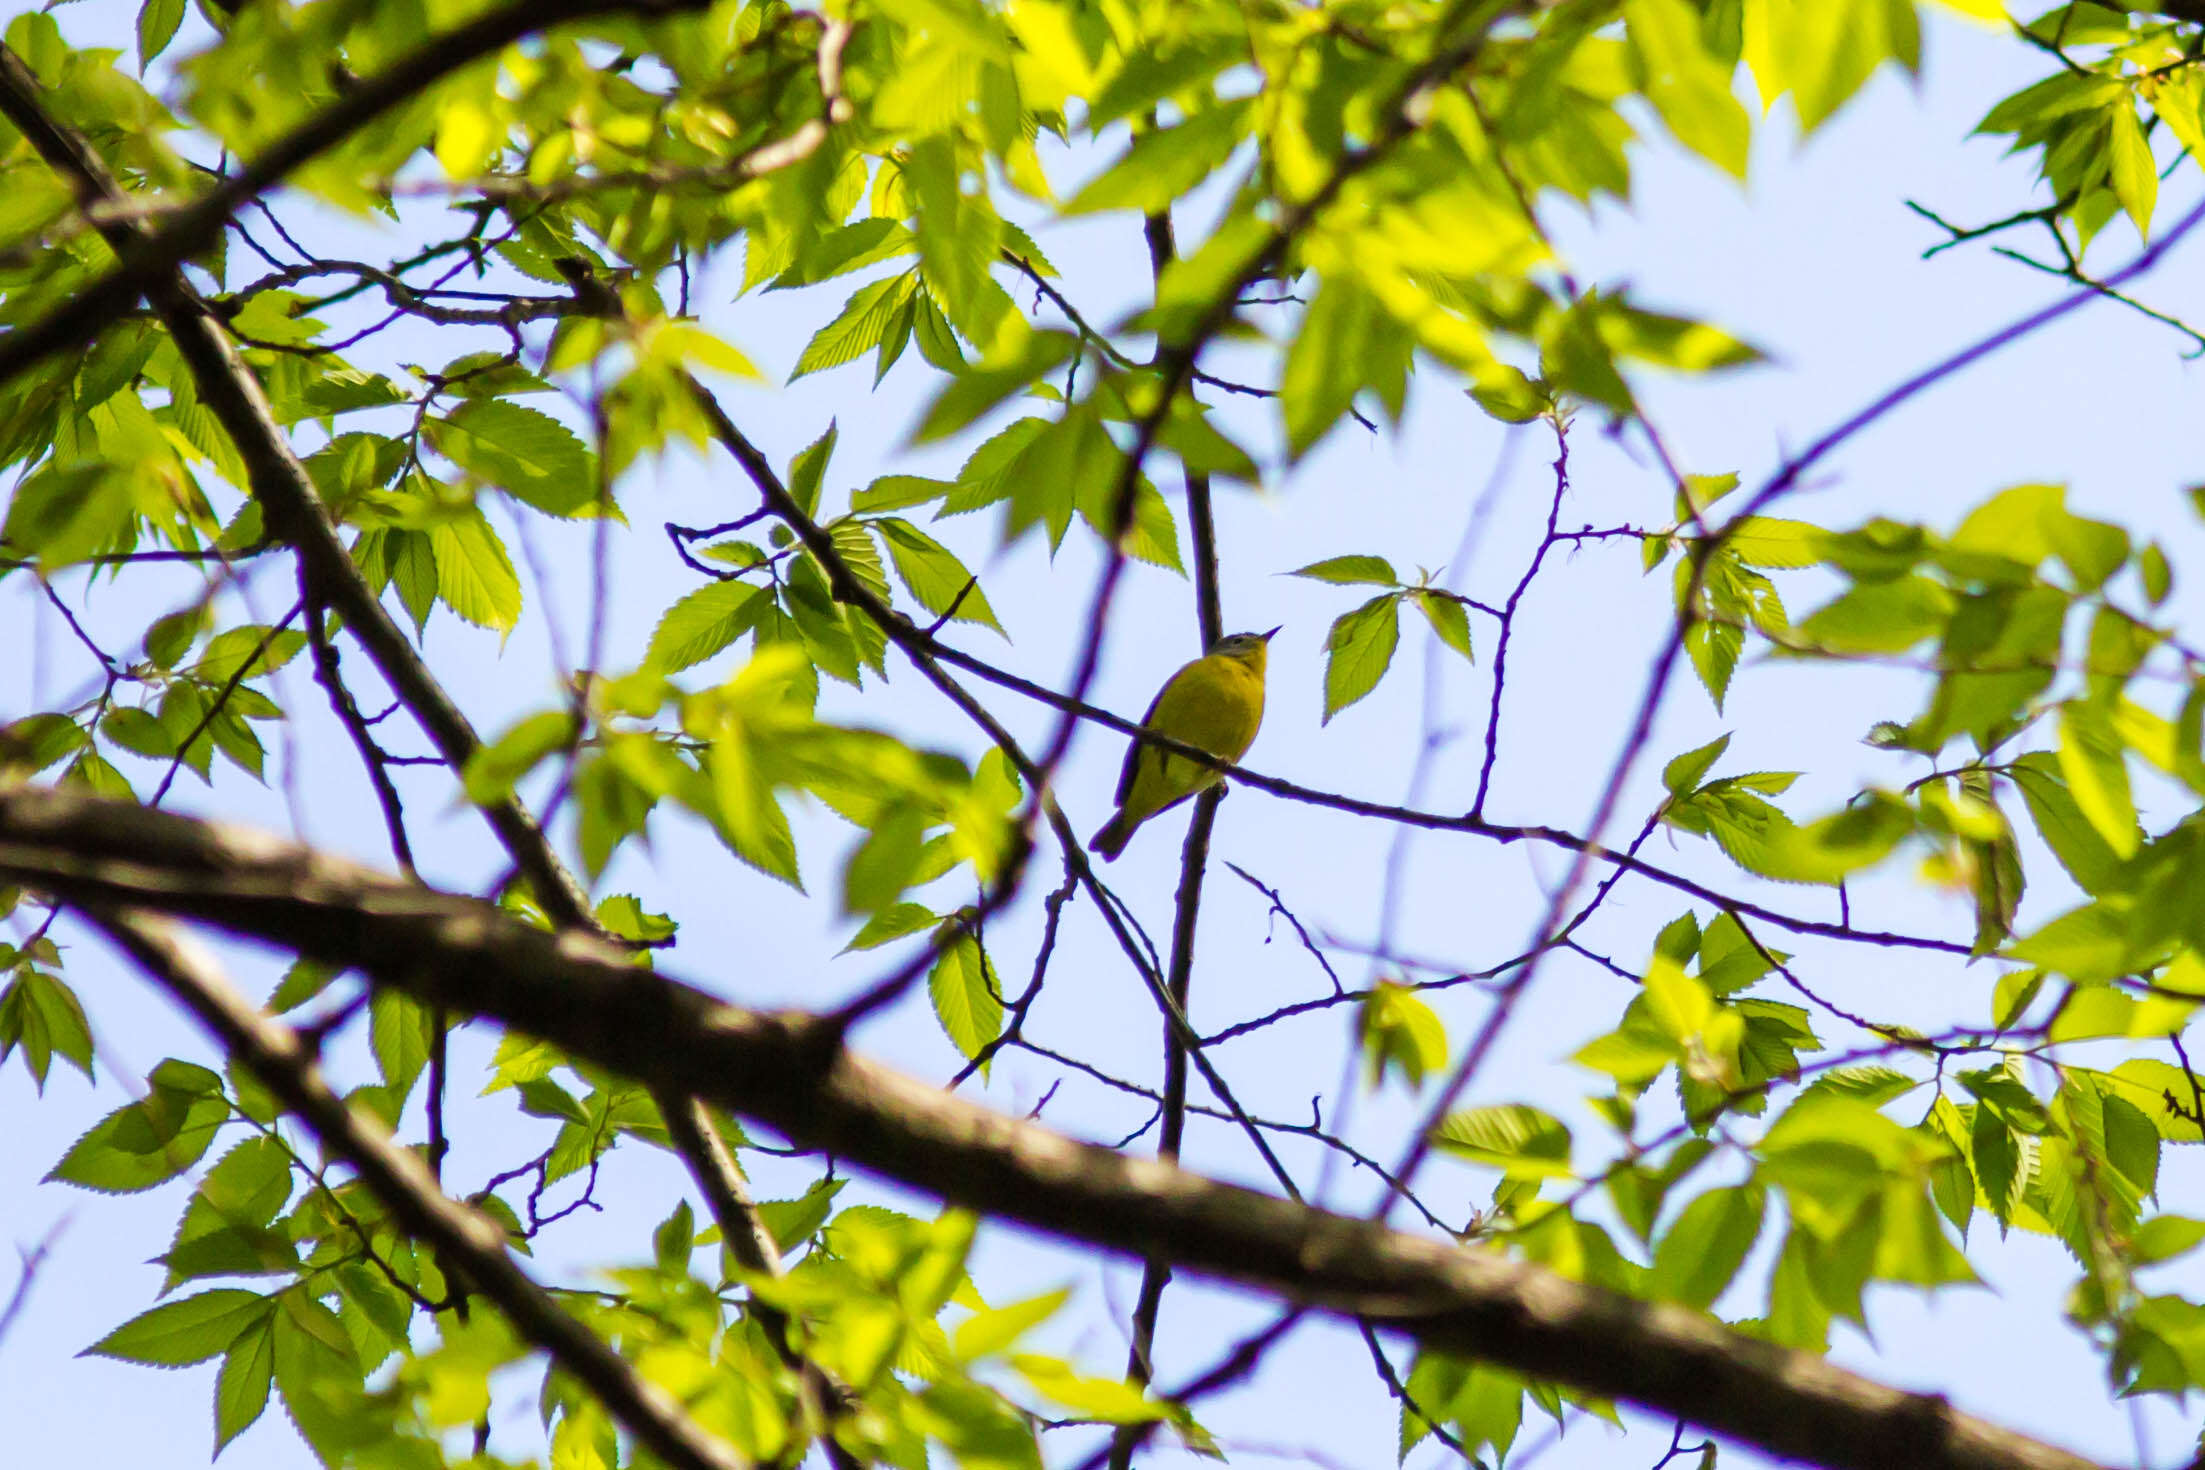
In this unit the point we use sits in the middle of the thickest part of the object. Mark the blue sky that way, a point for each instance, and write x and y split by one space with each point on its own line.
1816 260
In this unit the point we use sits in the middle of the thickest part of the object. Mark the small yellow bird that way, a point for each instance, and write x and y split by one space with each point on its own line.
1214 704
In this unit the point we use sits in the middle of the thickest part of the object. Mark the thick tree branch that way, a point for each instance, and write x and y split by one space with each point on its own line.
790 1072
463 1238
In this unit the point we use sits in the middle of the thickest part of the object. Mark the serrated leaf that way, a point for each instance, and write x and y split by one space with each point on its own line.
702 623
1358 650
157 23
1682 776
1522 1141
191 1330
474 576
968 999
1351 569
2091 758
934 575
152 1140
41 1014
793 1222
241 1388
862 325
530 455
1703 1250
1449 619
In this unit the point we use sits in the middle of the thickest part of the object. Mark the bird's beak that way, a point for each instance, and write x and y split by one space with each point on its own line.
1273 633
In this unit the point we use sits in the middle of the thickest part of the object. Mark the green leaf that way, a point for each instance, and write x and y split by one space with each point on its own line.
1358 650
531 455
474 576
398 1034
1351 569
862 325
318 1373
968 1000
494 768
624 914
241 1388
157 23
228 1229
31 745
1822 55
1166 163
1326 363
1880 617
64 513
2088 858
1683 774
934 576
1107 1399
987 383
40 1013
990 1332
702 623
901 492
2164 1237
892 923
1765 541
1399 1030
808 471
1687 86
2096 768
1152 537
1521 1141
2089 945
304 980
2157 574
152 1140
1449 619
2135 172
885 863
191 1330
1703 1250
793 1222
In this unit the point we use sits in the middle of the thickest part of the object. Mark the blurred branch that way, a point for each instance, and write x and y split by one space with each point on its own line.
34 1260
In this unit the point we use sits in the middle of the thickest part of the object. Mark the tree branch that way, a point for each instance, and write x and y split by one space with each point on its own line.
790 1072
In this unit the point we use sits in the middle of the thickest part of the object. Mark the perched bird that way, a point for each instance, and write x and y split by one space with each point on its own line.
1214 704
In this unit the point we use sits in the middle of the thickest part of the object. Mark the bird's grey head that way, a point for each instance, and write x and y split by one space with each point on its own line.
1241 645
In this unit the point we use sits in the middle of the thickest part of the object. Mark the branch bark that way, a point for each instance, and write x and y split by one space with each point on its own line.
790 1072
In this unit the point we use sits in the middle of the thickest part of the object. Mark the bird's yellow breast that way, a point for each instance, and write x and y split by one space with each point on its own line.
1215 702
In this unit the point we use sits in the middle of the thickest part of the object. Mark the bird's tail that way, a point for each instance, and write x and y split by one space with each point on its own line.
1111 840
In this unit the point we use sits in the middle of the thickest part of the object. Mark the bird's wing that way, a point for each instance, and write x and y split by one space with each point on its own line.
1134 745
